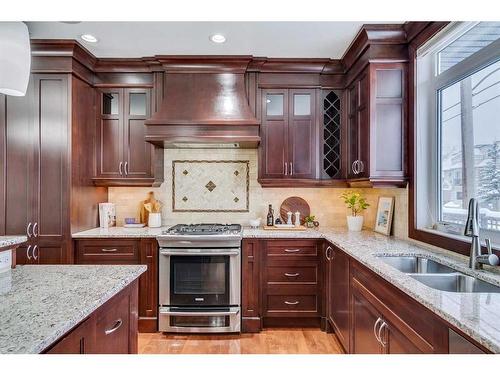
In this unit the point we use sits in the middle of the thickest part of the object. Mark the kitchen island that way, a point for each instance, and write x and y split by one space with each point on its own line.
40 305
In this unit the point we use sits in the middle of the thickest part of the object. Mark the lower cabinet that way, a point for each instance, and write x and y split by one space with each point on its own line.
250 286
78 341
337 293
111 329
128 251
385 320
282 283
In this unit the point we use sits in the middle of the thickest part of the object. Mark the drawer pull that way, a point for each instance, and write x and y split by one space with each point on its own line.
292 303
292 274
109 250
117 325
292 250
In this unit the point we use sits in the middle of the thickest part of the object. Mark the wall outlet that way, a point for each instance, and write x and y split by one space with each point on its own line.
5 260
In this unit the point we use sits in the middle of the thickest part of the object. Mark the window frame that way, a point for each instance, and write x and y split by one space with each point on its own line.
424 124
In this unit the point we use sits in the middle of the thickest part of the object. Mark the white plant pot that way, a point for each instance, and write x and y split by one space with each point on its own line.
154 220
355 223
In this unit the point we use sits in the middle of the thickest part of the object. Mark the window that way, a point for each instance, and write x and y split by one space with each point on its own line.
458 128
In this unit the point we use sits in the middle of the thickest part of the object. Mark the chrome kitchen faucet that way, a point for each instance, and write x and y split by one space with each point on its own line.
477 259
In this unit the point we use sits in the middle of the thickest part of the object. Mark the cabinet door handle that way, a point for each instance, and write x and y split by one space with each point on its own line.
353 166
292 274
117 325
361 166
28 227
327 253
286 169
382 327
376 331
28 252
35 229
120 168
36 252
126 168
291 169
109 250
292 303
292 250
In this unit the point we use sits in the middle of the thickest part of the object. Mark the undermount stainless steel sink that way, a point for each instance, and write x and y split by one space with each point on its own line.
455 282
415 264
438 276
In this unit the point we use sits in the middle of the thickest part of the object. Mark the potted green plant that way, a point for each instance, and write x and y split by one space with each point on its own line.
309 220
357 204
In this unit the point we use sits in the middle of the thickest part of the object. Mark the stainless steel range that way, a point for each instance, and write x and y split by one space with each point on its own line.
199 281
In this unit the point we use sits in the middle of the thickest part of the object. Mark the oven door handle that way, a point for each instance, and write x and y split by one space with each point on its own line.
199 313
201 253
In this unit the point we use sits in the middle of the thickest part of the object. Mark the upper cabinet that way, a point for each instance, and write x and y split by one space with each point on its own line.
123 157
301 132
288 134
376 126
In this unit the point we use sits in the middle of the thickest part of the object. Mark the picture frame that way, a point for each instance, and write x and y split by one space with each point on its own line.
385 213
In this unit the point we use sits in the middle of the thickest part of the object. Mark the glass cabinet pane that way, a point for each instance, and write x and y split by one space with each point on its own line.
302 104
137 104
110 103
274 104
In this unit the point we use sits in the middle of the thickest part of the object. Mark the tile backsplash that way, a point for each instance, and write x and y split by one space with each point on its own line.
325 203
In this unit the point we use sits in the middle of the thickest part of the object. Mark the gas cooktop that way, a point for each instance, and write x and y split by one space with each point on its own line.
203 229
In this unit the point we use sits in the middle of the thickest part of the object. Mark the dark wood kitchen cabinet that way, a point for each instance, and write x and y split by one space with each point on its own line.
289 145
128 251
376 126
251 286
38 177
292 284
337 293
42 184
47 166
123 157
111 329
386 321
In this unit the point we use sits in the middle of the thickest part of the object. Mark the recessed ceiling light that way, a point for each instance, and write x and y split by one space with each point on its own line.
89 38
218 38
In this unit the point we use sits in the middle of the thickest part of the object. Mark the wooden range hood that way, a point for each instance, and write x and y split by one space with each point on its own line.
205 104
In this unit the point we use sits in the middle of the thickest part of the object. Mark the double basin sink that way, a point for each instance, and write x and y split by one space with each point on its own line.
438 276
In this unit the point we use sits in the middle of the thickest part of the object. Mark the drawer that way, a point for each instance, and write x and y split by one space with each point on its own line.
107 252
292 248
293 303
292 274
112 327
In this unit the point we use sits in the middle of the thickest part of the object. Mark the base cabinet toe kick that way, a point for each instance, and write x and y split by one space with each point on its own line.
319 285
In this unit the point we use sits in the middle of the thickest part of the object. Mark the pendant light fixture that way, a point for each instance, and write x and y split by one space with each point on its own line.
15 58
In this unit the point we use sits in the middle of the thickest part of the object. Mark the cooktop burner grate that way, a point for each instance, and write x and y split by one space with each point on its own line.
204 229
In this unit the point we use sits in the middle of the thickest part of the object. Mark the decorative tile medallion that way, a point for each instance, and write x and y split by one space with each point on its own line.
210 185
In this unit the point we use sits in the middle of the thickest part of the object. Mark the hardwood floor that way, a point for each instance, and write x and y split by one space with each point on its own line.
269 341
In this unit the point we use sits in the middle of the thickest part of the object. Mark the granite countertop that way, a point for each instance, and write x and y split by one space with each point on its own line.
120 232
7 242
476 314
39 303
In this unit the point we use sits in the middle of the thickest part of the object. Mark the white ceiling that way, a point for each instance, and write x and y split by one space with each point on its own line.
269 39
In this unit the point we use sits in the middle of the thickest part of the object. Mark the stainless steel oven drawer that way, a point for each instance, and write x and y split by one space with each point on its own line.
199 320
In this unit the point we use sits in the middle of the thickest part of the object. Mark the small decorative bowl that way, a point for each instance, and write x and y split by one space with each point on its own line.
130 220
254 223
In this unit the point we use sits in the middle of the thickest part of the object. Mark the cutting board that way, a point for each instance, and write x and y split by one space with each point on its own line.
290 229
294 204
